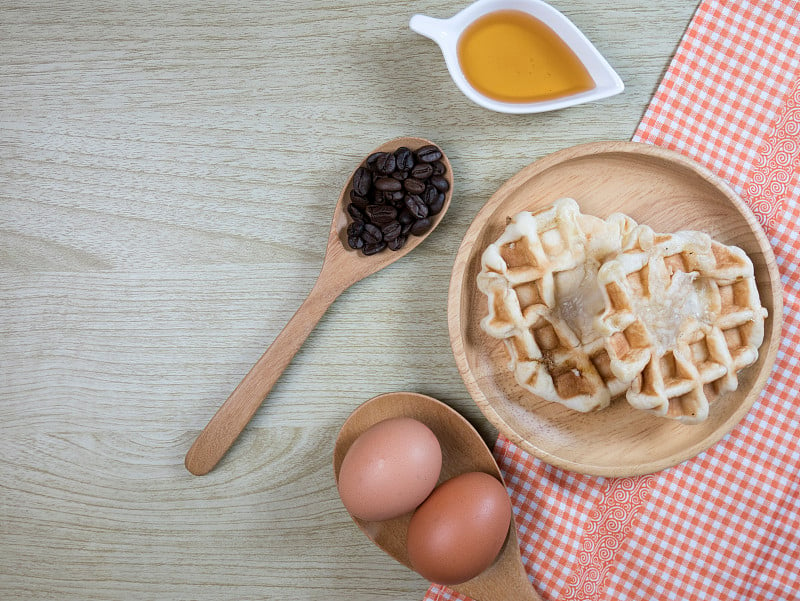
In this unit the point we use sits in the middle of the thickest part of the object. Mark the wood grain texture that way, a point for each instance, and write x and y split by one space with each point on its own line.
167 175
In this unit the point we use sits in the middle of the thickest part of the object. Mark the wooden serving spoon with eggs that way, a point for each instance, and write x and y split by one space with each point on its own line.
463 450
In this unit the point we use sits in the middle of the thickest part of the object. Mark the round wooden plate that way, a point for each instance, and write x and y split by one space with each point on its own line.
656 187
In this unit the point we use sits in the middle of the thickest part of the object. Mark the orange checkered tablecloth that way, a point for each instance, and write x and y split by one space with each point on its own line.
726 524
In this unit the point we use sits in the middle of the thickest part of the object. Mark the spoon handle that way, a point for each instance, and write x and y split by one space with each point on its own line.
234 414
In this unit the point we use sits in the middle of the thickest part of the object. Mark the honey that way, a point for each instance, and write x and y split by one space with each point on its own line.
511 56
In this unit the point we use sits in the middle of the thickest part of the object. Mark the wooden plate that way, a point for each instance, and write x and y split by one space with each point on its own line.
656 187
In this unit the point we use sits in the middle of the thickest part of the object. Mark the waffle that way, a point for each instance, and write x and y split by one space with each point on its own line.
540 280
682 317
592 309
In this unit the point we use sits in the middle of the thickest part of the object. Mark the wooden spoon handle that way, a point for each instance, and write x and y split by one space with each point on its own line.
234 414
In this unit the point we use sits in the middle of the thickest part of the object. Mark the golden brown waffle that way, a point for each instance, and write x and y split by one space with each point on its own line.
682 317
540 279
592 309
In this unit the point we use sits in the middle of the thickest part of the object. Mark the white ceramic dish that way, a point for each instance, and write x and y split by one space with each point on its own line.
446 32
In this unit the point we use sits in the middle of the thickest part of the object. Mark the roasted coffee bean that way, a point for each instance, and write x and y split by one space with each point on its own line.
381 214
438 168
355 242
405 217
440 183
385 163
407 227
371 234
404 158
420 226
422 171
371 159
398 195
416 207
429 195
414 186
362 181
397 243
391 231
429 154
388 184
358 201
355 213
400 175
435 207
355 229
385 197
371 249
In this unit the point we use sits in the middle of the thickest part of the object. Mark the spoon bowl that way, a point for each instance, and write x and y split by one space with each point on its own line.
463 450
341 268
353 264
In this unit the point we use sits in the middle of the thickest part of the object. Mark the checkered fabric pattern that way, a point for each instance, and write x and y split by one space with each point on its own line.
726 524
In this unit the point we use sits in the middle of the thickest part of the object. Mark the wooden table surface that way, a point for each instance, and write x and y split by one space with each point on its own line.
167 177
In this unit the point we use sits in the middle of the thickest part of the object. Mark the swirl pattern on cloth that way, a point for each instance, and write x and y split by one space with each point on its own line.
610 522
777 162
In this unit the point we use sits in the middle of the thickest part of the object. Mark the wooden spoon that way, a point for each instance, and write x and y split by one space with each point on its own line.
341 268
463 450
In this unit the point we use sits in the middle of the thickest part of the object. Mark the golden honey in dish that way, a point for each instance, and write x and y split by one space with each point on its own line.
511 56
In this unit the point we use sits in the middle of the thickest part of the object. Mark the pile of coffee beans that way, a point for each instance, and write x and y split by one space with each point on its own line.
395 195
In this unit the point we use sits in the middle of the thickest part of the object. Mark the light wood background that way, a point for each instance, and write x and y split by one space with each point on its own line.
167 177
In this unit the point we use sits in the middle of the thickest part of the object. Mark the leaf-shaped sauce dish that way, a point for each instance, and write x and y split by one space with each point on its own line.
520 56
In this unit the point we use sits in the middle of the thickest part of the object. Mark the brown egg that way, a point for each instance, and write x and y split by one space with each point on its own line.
459 530
390 469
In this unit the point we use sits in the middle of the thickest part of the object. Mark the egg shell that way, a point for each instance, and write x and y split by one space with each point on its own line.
459 530
389 469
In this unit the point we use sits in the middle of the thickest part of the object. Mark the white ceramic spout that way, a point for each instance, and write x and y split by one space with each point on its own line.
435 29
446 32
